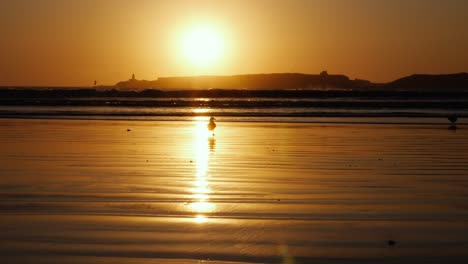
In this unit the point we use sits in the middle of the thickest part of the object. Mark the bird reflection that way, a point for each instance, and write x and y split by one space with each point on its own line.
212 144
453 122
204 147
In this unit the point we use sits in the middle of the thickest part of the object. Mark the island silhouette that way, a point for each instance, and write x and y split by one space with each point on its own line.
298 81
274 85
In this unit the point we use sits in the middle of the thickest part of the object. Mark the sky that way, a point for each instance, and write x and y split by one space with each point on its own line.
75 42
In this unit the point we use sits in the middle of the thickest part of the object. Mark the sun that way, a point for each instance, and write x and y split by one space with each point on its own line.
202 46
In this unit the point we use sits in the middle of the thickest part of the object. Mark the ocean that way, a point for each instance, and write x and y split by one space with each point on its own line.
237 108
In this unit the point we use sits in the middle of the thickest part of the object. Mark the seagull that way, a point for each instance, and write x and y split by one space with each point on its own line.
211 126
391 243
453 119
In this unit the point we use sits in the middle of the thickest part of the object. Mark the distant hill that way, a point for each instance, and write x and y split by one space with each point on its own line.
274 81
296 81
423 82
274 84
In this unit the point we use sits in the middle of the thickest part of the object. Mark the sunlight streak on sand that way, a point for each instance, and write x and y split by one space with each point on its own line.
201 190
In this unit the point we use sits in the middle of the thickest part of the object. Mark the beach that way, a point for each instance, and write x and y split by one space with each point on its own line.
123 191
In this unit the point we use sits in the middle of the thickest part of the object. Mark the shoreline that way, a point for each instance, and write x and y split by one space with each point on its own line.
357 120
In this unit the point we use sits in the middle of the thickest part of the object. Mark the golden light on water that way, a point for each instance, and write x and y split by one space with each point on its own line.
201 110
201 184
199 219
202 207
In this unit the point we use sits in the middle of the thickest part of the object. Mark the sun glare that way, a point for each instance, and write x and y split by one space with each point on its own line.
202 46
201 183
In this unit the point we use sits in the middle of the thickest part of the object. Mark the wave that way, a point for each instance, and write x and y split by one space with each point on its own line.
247 109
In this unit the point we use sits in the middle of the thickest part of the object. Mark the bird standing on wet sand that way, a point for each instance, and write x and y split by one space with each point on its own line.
212 125
453 120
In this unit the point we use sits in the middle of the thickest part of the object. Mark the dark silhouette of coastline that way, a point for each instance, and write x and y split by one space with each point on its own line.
448 92
295 81
273 81
423 82
256 84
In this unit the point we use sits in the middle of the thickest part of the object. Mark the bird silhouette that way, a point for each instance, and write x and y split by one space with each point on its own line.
212 125
391 243
453 120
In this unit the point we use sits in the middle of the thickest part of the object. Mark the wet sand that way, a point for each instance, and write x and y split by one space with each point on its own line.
76 191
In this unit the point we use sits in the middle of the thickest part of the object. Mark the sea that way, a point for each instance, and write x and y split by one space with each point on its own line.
328 109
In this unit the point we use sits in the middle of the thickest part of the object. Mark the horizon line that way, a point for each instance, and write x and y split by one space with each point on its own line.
232 75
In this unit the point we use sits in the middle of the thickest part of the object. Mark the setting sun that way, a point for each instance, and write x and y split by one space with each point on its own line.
202 46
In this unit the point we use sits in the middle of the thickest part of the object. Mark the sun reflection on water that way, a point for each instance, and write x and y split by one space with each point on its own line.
200 219
201 110
203 148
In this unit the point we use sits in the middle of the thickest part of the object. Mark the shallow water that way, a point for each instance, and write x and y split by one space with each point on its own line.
77 191
188 112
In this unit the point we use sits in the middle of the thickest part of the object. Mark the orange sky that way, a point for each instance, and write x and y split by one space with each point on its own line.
74 42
